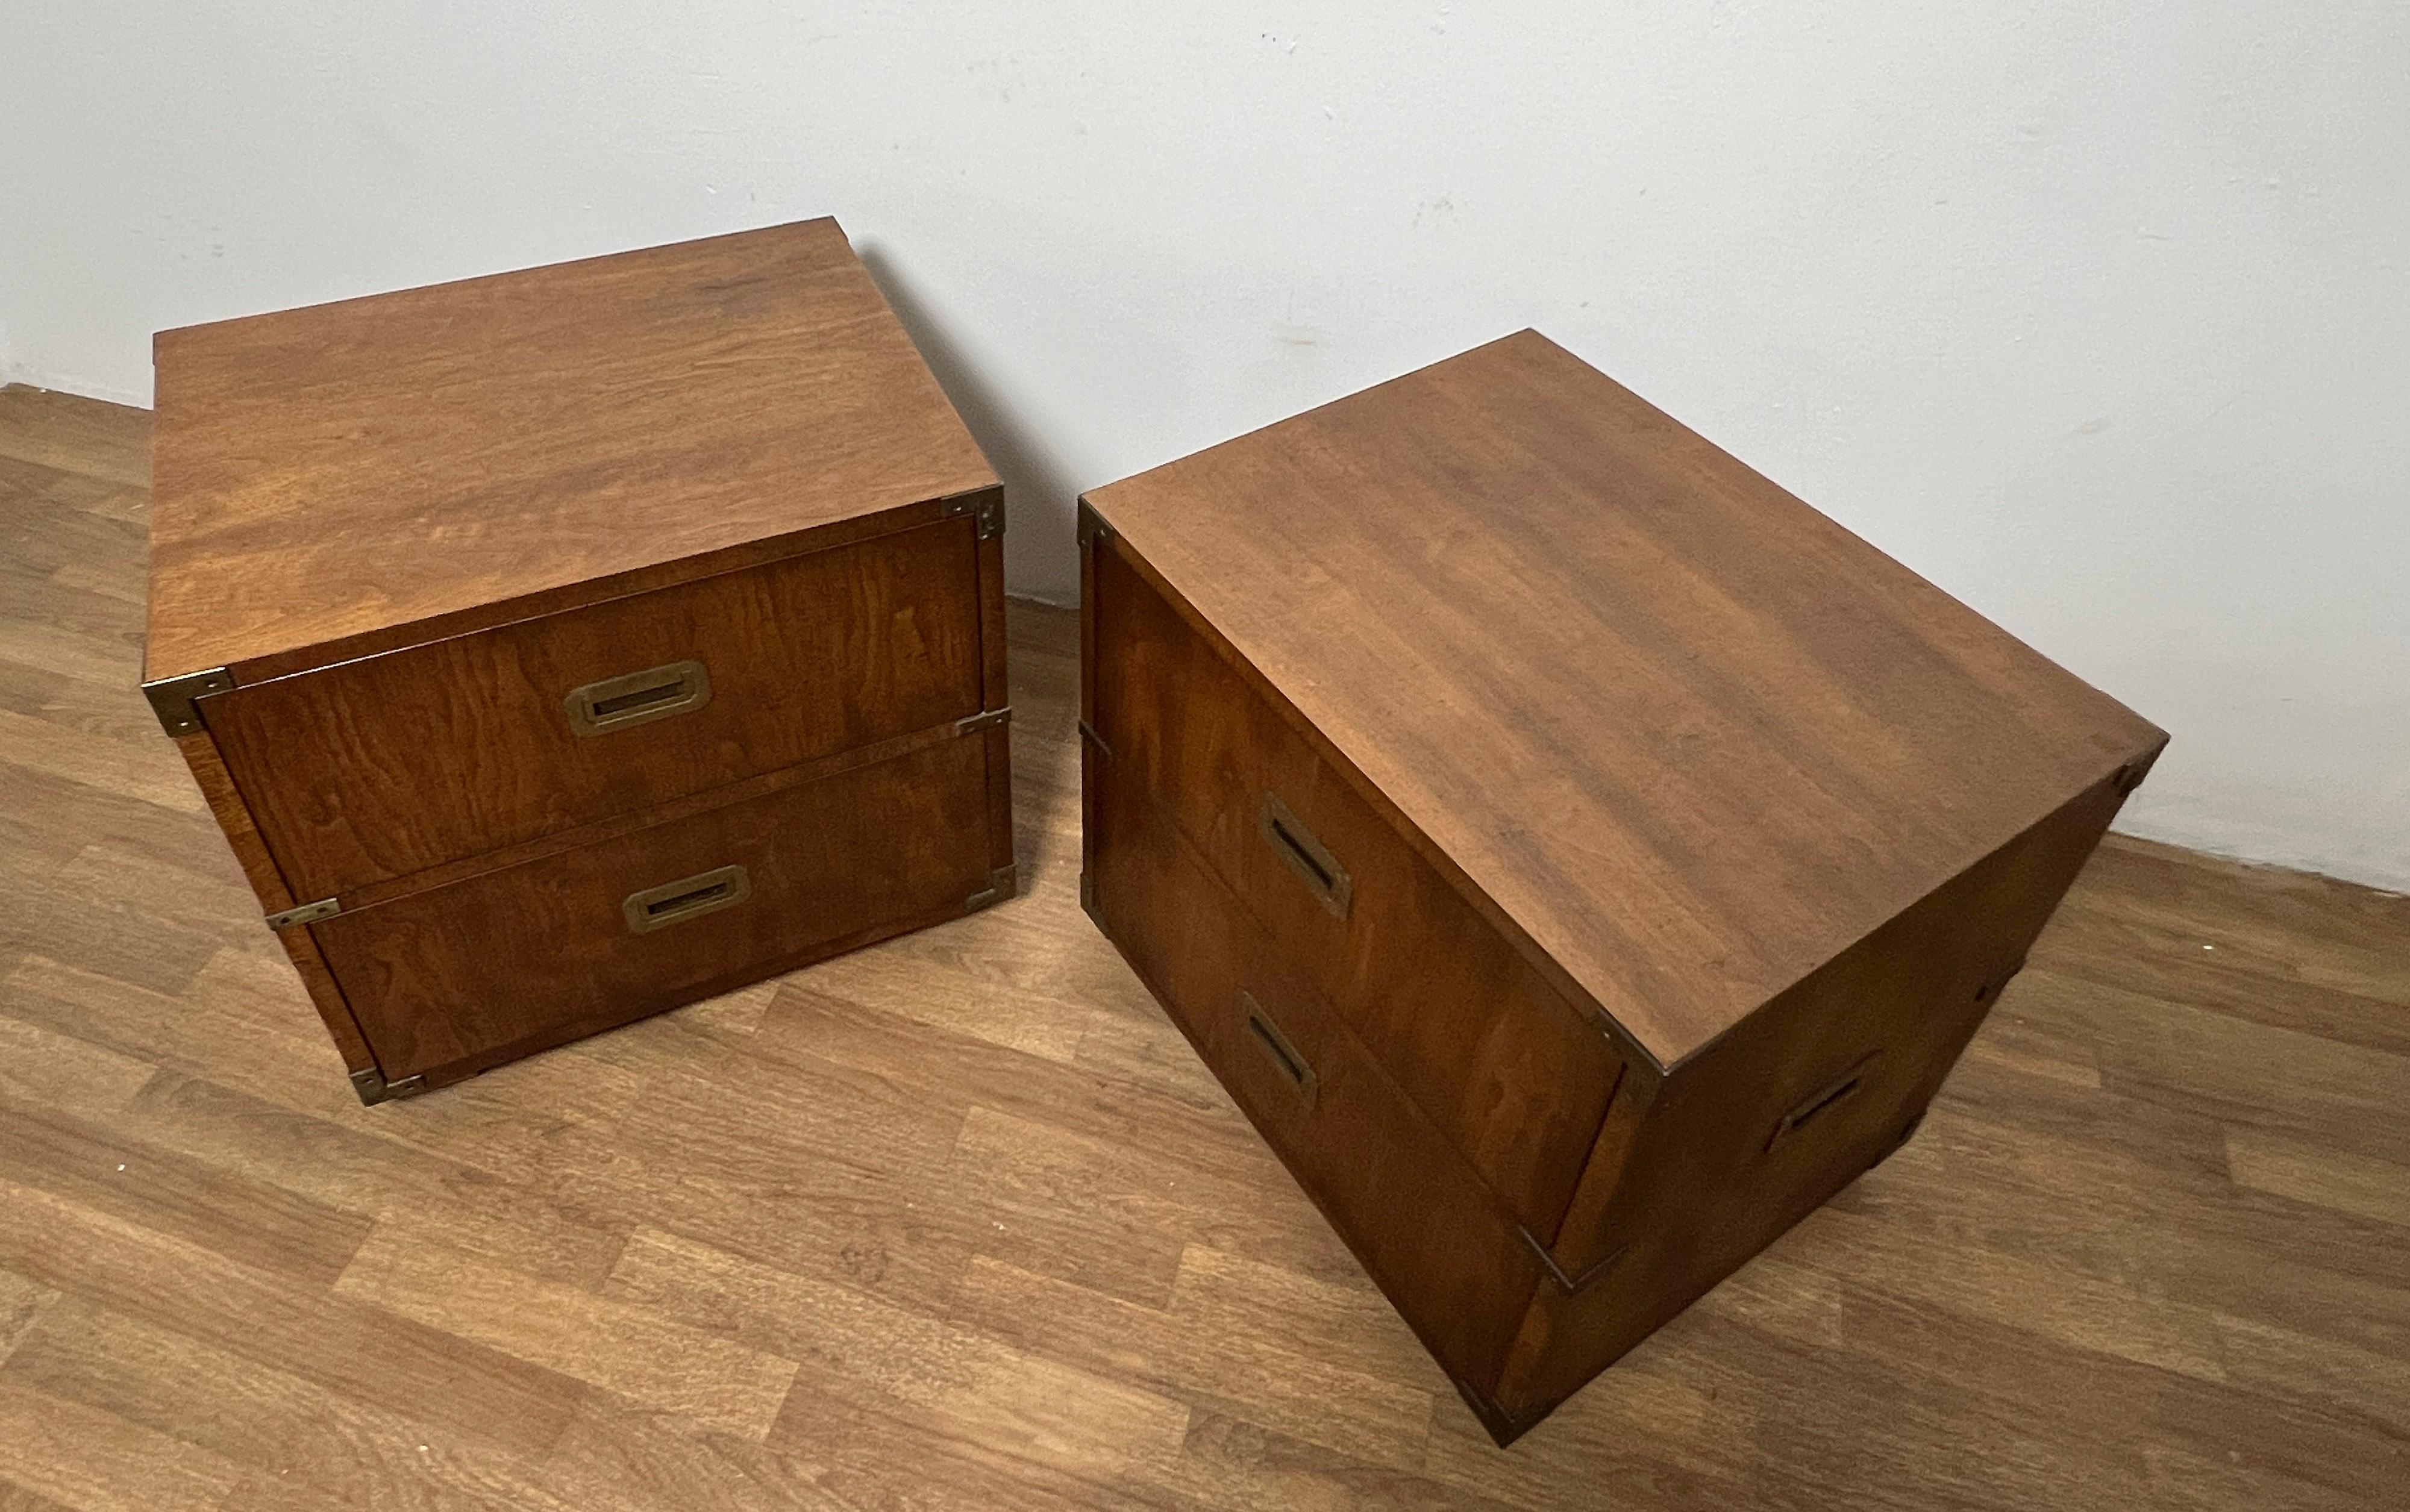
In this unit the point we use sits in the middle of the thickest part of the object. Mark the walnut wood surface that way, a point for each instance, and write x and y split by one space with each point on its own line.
452 975
379 768
259 868
209 768
1517 1078
961 1220
1717 1144
1419 1216
1706 1181
335 473
1692 739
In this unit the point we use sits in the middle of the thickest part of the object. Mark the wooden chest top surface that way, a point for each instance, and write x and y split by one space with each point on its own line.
1692 737
335 472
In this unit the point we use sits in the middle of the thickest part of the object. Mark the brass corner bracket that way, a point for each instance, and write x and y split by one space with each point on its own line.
986 508
373 1088
1001 884
171 698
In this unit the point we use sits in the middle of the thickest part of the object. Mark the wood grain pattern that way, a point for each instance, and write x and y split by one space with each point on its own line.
217 785
1709 1183
2135 1257
1692 738
259 868
1517 1078
379 768
727 540
1721 1141
460 975
649 408
1414 1212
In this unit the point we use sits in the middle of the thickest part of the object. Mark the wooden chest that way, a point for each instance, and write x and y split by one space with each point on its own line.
560 647
1578 857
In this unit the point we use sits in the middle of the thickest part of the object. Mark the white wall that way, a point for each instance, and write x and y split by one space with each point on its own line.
2096 315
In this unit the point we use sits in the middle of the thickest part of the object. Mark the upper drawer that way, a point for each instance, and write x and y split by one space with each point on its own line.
384 767
1516 1078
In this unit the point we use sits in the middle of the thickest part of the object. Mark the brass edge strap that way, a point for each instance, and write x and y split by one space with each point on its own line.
305 914
1570 1284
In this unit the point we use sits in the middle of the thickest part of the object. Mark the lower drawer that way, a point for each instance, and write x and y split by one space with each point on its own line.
463 976
1393 1186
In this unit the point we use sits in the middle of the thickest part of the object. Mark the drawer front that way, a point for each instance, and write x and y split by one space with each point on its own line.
391 764
511 960
1516 1077
1414 1211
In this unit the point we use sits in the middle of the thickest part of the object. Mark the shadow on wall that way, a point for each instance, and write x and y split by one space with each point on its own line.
1040 496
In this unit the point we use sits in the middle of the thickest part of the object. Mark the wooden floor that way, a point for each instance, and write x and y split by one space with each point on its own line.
958 1222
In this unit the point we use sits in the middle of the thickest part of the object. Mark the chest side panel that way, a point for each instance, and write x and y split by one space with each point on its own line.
1761 1127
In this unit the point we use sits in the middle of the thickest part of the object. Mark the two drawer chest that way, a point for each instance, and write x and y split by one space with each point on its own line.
1577 857
560 647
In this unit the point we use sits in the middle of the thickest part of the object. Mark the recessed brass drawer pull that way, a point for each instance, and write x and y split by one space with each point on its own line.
1820 1102
638 698
1306 857
1285 1056
688 898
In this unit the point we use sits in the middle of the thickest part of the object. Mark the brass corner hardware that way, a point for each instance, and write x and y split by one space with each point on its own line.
171 698
305 914
373 1088
986 508
983 719
1092 525
1001 884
